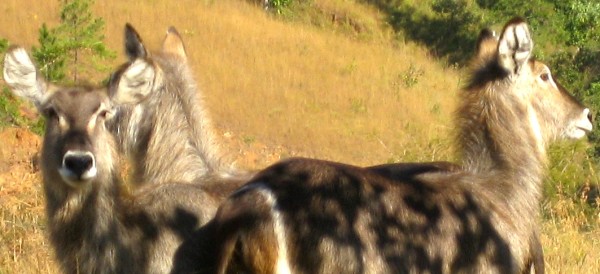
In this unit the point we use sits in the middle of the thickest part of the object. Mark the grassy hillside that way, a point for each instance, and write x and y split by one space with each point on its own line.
288 84
330 81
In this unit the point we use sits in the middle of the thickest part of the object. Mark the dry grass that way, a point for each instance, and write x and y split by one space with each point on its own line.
287 84
275 89
24 247
571 240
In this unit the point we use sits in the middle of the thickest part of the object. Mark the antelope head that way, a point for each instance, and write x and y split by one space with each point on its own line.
550 109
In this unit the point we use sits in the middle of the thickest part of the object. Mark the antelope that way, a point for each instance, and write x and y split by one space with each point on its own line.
313 216
93 226
163 126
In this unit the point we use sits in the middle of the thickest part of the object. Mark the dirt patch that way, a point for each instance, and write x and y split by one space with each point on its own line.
18 146
18 161
252 154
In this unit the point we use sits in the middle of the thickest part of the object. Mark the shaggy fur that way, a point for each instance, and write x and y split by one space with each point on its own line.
94 227
167 135
312 216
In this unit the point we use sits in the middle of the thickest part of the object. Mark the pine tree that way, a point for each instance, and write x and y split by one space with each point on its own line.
75 46
51 55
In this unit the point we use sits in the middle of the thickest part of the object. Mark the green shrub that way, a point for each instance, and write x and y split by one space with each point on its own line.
279 6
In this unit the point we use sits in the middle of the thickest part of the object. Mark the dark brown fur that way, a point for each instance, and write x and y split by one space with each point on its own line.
312 216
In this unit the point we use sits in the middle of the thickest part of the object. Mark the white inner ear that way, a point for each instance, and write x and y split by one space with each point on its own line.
21 75
525 44
515 46
136 83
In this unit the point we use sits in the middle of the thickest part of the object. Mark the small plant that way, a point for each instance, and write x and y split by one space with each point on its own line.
3 45
9 109
436 109
279 5
248 140
358 106
10 114
350 68
411 76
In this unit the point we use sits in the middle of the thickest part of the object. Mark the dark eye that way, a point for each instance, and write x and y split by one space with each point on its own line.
545 76
103 114
50 113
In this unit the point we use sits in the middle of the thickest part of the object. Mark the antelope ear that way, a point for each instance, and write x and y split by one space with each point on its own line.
515 45
21 75
135 83
134 48
173 44
487 43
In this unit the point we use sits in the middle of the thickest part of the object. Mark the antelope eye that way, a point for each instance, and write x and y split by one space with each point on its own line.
545 76
50 113
103 114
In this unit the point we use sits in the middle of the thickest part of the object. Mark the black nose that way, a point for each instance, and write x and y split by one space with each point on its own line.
78 163
590 116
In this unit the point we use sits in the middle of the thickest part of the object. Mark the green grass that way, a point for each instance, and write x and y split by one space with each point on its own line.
10 113
9 110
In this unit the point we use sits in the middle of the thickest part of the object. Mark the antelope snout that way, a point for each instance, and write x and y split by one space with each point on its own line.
78 167
580 126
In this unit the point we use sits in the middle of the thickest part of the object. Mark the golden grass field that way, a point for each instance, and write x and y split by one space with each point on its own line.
274 89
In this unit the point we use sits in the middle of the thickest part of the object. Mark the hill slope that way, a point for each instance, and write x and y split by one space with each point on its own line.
338 88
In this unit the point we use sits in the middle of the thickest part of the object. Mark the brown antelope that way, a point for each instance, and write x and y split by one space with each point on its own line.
312 216
93 226
166 131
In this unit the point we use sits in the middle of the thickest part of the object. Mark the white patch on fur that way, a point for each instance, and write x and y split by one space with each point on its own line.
554 85
92 122
580 127
536 130
62 123
135 121
94 118
283 266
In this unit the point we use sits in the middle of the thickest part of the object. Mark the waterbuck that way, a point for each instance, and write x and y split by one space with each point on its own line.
163 126
313 216
94 227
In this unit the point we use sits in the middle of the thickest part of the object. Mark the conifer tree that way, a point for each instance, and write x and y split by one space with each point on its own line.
76 44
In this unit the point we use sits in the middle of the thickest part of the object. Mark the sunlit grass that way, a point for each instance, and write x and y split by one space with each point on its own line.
295 87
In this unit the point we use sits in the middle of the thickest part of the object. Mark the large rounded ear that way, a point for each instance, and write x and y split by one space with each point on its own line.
134 48
21 75
134 83
515 45
173 44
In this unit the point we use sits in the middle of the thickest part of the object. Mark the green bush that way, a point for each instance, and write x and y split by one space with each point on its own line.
279 5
